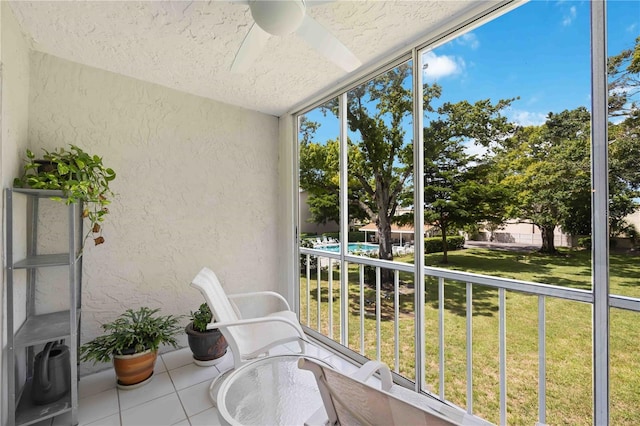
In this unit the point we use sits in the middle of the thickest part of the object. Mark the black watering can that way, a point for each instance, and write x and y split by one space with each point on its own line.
52 373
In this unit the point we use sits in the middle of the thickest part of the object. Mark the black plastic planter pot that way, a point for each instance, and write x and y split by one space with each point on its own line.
207 347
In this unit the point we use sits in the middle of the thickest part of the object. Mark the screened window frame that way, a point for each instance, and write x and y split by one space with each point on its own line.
602 300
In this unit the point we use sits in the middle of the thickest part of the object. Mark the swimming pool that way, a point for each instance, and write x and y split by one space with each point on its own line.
352 247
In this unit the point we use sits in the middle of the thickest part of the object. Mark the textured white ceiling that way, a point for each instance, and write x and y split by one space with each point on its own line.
190 45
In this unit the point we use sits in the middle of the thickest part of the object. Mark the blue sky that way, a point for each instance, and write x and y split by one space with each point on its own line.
539 52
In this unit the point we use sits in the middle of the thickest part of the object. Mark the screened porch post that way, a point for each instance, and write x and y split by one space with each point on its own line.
600 213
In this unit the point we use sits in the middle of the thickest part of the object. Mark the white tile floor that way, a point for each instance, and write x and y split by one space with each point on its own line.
178 394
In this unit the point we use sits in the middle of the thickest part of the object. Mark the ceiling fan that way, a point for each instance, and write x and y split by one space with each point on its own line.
279 18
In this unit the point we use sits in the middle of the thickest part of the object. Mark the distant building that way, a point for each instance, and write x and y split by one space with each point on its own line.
400 234
523 232
308 227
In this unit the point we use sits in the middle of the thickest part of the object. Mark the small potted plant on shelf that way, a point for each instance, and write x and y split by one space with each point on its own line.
80 176
207 346
132 341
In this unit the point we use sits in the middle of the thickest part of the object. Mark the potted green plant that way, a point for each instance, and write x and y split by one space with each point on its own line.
80 176
207 346
132 341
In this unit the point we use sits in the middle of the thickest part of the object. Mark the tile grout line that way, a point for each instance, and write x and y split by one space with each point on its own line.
147 401
175 389
119 406
323 354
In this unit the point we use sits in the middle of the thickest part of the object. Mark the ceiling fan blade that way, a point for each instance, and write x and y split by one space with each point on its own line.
250 48
312 3
327 44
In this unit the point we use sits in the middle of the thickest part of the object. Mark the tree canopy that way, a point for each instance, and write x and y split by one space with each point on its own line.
547 169
458 185
461 188
380 156
540 174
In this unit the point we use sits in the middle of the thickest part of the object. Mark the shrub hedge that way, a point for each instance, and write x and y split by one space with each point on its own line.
313 261
584 242
434 245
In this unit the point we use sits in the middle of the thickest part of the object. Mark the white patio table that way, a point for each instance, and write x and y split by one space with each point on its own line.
269 391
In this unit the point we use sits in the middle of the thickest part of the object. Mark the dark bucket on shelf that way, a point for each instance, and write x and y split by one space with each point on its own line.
52 374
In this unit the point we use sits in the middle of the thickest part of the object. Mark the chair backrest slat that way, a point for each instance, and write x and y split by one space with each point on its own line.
351 402
207 282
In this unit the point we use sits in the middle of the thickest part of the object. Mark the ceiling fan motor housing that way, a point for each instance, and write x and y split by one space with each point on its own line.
278 17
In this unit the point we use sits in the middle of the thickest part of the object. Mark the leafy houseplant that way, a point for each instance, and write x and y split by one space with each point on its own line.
201 318
207 346
131 338
80 176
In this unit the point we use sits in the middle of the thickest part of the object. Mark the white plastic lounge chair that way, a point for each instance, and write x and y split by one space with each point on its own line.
348 400
248 336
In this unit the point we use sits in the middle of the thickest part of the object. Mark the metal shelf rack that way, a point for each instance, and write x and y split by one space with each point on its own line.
37 329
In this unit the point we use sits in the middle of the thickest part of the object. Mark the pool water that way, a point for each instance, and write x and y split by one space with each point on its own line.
352 247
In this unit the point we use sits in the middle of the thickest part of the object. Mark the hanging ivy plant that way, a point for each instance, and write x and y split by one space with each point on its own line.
80 176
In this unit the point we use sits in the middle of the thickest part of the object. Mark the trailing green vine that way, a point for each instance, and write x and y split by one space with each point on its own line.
80 176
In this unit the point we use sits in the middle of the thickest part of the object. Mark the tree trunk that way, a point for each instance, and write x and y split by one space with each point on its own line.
547 239
445 249
443 225
385 248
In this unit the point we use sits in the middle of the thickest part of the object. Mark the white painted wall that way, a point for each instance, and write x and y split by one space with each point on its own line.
14 100
514 231
287 242
634 219
197 186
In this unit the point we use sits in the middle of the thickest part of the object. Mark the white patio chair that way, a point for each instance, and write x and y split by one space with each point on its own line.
348 400
248 335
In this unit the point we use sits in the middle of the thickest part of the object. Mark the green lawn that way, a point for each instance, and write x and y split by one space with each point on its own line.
568 334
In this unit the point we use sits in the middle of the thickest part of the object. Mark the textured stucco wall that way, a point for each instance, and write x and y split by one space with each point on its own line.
197 185
287 242
14 89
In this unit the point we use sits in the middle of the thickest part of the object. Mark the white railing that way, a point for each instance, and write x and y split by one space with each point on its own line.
325 262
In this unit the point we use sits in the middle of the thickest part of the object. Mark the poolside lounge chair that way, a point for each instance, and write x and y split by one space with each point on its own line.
398 250
248 336
348 400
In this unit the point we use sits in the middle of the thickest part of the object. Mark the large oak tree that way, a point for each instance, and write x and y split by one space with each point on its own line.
380 168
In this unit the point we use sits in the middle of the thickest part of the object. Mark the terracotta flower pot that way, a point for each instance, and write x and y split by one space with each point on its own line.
134 369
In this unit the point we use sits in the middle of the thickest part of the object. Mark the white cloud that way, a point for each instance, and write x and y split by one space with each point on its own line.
632 28
533 100
471 148
569 16
436 67
620 90
469 39
527 118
